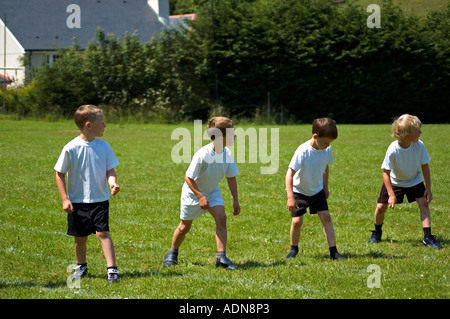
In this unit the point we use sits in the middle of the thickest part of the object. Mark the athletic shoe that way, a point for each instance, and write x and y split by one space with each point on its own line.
170 259
113 275
224 262
337 256
375 238
80 271
430 241
292 254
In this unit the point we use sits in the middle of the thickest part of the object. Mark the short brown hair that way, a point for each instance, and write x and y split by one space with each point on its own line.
218 122
86 113
325 127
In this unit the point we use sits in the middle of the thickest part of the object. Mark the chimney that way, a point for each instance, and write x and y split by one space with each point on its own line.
161 8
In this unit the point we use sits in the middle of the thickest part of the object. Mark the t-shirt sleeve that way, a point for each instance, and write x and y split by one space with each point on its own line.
330 156
232 170
296 161
195 166
111 159
63 163
387 162
424 157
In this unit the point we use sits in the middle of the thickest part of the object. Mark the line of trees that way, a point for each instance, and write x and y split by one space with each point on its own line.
312 58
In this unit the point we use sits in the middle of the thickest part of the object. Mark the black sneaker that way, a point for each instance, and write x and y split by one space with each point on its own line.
430 241
376 237
224 262
292 254
170 259
337 256
80 271
113 275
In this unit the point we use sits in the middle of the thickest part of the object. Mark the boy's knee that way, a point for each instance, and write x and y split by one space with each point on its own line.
297 222
325 217
103 235
221 219
422 202
183 229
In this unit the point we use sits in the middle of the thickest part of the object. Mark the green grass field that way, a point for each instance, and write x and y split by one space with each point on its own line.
35 251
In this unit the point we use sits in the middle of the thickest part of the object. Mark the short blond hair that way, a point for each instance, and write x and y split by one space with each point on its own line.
404 125
218 122
86 113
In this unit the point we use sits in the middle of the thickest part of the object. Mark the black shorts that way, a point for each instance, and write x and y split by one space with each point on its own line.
316 203
411 193
88 218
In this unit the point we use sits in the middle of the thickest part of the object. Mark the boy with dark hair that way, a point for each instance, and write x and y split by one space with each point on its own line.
307 183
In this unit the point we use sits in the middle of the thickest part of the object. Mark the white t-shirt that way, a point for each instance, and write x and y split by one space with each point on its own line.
309 165
86 164
404 163
207 169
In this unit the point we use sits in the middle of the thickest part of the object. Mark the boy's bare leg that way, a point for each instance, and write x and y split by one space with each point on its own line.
180 233
218 212
328 229
296 226
424 212
108 247
80 249
380 211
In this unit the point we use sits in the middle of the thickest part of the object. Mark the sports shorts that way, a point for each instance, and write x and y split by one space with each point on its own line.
190 207
88 218
316 203
411 193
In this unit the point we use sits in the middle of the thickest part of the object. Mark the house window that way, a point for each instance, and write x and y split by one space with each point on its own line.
52 58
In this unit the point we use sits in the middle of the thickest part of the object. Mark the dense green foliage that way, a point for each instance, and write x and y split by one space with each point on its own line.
312 58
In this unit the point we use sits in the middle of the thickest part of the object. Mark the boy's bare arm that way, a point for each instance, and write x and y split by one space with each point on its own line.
204 204
291 203
112 181
427 177
61 183
232 184
387 182
325 181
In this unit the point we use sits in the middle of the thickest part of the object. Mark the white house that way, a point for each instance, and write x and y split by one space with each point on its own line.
36 29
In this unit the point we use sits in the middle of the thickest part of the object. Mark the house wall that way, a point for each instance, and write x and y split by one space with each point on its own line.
14 51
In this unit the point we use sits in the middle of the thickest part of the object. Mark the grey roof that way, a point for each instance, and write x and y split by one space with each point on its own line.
42 24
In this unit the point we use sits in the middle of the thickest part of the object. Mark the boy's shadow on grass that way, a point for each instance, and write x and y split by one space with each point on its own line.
256 264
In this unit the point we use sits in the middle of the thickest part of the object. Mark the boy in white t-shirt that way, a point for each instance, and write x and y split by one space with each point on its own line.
402 176
307 183
200 192
89 164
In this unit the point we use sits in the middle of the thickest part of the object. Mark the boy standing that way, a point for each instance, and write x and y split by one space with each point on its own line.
401 176
89 163
200 192
307 183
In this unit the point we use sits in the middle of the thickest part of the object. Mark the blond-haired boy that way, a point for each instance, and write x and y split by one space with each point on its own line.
402 176
201 193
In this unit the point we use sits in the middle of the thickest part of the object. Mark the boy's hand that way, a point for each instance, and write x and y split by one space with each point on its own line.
67 206
204 204
291 204
392 201
428 195
236 208
115 188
